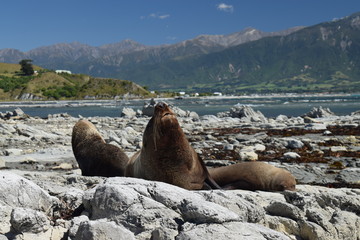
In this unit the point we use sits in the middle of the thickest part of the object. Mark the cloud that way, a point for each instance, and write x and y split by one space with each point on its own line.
224 7
171 38
156 15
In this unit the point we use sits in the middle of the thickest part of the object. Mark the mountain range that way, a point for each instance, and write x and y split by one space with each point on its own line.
323 57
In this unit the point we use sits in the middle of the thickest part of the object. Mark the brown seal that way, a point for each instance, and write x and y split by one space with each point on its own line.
167 156
94 156
253 176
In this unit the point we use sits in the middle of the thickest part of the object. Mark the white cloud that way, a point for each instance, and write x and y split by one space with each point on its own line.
224 7
171 38
156 15
164 16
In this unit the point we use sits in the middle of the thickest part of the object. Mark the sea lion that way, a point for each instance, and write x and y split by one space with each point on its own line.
94 156
167 156
253 176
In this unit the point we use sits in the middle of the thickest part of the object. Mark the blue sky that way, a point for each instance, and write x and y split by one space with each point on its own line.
28 24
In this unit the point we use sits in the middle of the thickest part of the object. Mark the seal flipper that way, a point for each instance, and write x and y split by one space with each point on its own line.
210 183
241 184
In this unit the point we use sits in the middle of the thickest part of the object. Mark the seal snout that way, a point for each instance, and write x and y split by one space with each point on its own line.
163 109
161 105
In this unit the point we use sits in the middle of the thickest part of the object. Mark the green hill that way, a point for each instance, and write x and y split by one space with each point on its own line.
48 85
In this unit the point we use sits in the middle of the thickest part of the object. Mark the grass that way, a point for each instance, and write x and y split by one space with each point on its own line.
49 85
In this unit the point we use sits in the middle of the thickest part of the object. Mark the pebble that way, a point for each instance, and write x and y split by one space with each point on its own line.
291 155
248 156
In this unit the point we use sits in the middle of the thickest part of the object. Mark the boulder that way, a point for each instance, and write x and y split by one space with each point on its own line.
128 112
294 143
102 230
28 220
246 113
148 108
142 206
229 230
16 191
248 156
319 112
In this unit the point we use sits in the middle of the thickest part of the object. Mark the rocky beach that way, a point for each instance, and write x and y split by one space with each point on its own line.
44 196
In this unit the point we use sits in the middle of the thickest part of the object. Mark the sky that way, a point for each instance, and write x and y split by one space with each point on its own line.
28 24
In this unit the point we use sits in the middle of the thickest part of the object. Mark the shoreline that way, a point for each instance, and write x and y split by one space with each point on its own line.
98 102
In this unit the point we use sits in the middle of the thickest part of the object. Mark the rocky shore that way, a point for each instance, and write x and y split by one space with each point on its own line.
44 196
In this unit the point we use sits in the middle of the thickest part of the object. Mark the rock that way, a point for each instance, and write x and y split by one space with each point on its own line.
128 112
248 156
294 143
246 112
291 155
338 149
34 133
179 112
283 209
16 191
28 220
227 147
5 215
63 166
319 112
349 175
72 198
327 132
2 163
237 201
16 114
7 129
194 116
259 147
229 230
102 230
315 126
13 152
148 108
281 118
356 113
75 224
142 206
310 120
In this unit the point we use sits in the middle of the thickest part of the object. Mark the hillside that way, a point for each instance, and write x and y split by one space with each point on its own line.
112 59
324 57
48 85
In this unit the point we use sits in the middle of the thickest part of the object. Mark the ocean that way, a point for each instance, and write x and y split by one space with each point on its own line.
270 106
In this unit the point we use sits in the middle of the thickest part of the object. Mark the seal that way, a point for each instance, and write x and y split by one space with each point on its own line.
253 176
94 156
167 156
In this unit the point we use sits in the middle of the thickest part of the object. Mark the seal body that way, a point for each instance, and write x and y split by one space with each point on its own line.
167 156
253 176
94 156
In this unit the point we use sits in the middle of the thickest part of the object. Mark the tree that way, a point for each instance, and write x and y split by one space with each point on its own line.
26 67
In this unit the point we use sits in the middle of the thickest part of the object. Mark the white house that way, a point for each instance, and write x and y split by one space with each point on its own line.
63 71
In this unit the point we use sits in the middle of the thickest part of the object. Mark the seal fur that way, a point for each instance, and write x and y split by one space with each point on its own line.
253 176
167 156
94 156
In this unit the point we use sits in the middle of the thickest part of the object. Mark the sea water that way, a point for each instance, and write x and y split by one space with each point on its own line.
270 106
